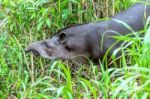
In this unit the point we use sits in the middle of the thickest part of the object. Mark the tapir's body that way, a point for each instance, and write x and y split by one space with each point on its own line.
92 39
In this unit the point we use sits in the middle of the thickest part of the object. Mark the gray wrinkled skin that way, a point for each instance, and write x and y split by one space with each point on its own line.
86 39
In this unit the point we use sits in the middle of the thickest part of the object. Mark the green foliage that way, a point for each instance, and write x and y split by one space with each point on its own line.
26 76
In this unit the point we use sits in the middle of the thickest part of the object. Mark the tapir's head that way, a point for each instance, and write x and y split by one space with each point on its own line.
68 43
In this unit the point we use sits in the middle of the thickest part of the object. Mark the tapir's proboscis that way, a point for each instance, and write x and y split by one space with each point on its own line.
92 39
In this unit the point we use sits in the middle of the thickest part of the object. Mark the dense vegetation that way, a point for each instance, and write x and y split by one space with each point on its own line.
25 76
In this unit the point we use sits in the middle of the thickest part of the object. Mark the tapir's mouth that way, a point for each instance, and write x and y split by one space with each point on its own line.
35 52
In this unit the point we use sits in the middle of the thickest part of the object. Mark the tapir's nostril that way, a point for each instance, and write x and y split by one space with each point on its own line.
26 50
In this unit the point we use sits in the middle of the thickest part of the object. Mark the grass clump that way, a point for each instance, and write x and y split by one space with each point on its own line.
25 76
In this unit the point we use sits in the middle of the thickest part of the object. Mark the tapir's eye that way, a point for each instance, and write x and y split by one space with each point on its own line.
68 48
62 37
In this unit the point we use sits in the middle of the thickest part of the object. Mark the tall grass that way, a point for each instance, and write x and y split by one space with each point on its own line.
26 76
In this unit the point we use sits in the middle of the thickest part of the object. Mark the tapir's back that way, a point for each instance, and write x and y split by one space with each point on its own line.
135 16
132 19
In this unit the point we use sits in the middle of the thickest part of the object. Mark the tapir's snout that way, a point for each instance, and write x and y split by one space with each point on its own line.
35 48
45 48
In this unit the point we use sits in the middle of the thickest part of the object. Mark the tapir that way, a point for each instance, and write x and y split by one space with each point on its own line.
92 39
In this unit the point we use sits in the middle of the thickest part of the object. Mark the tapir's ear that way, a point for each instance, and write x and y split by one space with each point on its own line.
62 37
